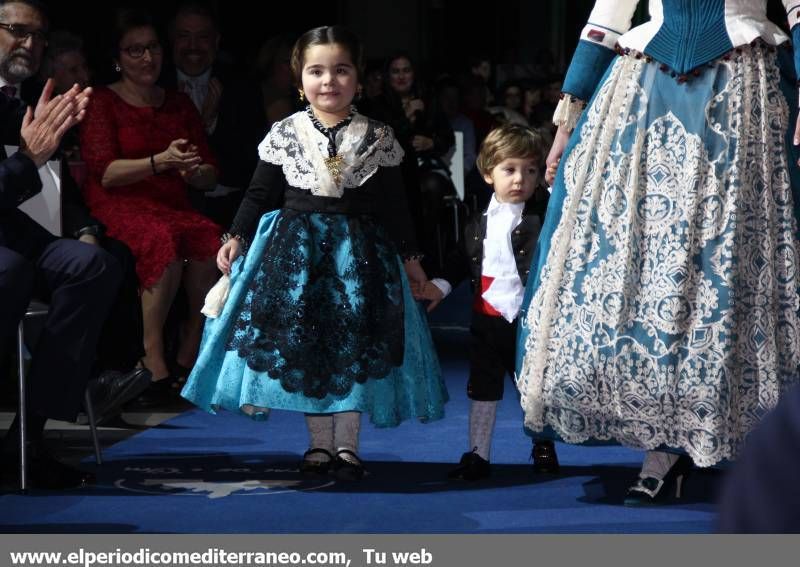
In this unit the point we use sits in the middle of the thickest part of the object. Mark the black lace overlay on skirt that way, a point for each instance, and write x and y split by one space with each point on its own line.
325 308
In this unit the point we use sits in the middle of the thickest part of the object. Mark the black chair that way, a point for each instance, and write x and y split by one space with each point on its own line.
39 309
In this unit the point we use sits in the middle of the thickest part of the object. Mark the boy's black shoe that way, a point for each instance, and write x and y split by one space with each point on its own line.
545 460
471 467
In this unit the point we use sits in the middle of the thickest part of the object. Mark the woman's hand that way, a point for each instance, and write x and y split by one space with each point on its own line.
550 173
422 143
411 108
180 154
797 134
227 254
556 151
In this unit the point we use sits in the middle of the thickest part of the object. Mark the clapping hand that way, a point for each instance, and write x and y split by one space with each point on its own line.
180 155
189 171
43 128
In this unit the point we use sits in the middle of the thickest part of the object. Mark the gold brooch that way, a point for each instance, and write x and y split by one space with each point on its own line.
335 167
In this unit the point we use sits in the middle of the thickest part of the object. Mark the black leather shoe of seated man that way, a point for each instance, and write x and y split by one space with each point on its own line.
113 389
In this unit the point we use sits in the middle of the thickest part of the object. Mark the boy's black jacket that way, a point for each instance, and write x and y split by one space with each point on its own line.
467 259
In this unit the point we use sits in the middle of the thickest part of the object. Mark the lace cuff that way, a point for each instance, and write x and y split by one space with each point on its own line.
411 256
228 236
568 111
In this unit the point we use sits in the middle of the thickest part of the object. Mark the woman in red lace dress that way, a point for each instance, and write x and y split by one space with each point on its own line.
145 148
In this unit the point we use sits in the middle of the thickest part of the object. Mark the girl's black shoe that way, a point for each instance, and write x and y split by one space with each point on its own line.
348 466
651 491
313 466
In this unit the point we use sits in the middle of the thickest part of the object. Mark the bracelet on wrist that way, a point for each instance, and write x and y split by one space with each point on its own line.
153 164
227 237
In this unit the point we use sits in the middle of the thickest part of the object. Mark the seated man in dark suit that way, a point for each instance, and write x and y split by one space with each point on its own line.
78 280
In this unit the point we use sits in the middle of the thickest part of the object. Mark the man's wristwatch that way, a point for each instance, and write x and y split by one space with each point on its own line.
91 230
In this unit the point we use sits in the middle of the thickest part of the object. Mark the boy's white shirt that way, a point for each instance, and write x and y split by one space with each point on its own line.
506 290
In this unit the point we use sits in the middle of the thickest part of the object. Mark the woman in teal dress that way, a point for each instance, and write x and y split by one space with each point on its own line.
662 308
319 317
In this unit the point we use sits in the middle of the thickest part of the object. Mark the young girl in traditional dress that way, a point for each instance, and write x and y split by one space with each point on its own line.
320 318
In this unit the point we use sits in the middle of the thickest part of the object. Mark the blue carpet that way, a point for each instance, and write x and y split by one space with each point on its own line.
226 474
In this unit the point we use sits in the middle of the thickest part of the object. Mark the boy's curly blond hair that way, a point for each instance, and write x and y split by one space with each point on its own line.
510 141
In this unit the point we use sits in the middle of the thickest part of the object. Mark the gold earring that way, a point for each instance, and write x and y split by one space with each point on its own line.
302 94
359 91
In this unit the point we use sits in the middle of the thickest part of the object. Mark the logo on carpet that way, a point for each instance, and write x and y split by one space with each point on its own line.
218 482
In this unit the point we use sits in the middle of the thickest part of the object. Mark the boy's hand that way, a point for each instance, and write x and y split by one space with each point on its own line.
429 292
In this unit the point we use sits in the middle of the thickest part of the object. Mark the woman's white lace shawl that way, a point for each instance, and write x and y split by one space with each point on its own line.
300 149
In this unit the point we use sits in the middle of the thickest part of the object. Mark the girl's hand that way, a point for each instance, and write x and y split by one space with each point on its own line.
415 273
556 151
429 292
227 254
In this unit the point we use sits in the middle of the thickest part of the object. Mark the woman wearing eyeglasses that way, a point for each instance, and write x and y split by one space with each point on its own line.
145 148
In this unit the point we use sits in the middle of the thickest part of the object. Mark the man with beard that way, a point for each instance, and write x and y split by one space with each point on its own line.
230 109
79 281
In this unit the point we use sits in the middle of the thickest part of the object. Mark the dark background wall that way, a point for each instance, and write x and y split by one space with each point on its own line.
441 34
